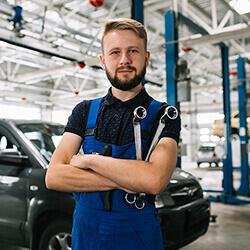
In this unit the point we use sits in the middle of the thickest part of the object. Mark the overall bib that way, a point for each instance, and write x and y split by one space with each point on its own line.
124 227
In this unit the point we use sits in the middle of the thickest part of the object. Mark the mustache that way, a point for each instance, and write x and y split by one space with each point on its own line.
126 68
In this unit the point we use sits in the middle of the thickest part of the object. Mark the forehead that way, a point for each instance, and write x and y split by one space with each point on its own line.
122 39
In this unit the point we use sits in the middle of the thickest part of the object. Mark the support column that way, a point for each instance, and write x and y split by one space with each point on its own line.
137 10
171 59
227 162
171 56
241 75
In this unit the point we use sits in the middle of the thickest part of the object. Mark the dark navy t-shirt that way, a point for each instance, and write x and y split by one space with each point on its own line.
114 122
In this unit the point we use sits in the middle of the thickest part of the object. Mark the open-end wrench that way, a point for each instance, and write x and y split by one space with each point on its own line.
139 114
171 113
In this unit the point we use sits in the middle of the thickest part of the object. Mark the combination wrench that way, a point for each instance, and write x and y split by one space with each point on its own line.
171 113
139 114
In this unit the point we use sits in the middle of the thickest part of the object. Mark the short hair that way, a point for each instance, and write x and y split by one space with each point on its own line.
125 24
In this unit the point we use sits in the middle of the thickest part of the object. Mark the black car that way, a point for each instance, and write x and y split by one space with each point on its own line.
37 218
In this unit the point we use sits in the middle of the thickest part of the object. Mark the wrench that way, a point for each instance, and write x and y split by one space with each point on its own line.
139 114
171 113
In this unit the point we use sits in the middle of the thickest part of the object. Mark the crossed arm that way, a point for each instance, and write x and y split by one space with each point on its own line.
85 173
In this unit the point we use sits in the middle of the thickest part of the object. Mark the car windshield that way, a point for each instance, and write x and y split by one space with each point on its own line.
44 136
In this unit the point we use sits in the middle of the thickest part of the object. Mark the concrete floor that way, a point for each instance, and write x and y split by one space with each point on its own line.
231 231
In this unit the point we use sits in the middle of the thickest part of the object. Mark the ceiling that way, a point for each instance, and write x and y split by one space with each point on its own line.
55 63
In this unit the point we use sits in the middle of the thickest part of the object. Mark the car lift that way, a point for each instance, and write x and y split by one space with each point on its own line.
228 194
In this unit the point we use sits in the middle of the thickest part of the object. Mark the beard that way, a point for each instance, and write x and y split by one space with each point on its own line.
126 84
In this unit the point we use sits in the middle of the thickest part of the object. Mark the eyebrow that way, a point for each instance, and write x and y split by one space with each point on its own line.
129 47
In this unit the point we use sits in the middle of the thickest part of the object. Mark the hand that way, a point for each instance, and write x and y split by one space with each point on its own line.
78 161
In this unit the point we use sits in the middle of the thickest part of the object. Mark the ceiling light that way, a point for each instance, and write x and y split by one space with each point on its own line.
83 39
61 31
31 34
59 42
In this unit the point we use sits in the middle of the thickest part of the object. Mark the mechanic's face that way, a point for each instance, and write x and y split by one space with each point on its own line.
124 59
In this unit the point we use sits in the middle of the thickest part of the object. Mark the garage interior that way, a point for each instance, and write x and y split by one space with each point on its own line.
51 64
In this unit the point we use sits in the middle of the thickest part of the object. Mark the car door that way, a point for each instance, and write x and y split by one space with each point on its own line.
14 168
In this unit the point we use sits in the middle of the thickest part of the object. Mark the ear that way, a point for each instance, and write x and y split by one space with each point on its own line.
102 61
147 57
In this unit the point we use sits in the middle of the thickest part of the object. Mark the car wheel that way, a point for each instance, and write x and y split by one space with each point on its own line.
56 236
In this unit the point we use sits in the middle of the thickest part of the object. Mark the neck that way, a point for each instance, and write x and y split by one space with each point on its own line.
126 95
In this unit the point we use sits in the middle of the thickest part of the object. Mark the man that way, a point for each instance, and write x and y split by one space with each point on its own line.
109 121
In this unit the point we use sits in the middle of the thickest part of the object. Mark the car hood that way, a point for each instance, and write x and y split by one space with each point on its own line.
182 189
180 178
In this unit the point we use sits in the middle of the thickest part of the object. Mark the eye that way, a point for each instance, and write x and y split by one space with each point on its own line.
114 52
132 51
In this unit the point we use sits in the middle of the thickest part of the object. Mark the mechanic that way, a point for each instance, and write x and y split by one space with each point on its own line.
113 221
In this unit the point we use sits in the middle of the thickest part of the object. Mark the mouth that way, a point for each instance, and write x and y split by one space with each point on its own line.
125 69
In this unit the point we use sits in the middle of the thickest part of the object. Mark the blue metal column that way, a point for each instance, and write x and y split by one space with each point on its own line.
241 75
171 59
227 163
137 10
171 56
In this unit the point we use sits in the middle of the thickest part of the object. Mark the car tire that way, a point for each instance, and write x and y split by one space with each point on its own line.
56 236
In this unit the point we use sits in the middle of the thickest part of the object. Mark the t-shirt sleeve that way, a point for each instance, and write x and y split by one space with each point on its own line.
78 119
172 127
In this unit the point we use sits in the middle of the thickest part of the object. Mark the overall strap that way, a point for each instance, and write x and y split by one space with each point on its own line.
92 116
148 121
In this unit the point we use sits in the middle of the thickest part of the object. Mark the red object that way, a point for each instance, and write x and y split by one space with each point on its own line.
96 3
232 73
186 49
81 65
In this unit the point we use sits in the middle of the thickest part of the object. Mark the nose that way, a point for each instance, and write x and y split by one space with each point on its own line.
125 59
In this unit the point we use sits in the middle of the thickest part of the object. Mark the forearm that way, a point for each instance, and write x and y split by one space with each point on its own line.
123 172
136 175
67 178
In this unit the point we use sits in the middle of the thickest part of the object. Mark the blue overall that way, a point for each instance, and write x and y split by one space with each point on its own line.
125 227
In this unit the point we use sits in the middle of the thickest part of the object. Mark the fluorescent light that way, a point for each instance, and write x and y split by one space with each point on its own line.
61 31
72 46
241 6
30 33
83 39
59 42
